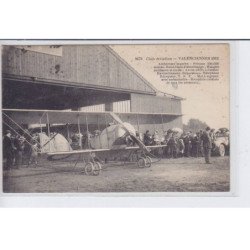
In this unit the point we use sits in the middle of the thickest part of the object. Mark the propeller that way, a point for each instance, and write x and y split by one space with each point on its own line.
134 138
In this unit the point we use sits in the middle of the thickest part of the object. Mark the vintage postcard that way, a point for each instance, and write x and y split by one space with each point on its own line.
116 118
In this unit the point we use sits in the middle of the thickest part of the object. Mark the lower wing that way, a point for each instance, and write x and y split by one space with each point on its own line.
66 154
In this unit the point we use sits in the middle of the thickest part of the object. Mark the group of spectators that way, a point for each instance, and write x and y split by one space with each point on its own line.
187 144
19 150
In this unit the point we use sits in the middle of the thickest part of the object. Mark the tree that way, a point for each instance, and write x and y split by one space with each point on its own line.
194 125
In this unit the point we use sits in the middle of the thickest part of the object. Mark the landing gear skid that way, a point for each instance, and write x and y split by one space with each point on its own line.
144 162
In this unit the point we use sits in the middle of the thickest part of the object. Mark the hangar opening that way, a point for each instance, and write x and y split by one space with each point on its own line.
84 78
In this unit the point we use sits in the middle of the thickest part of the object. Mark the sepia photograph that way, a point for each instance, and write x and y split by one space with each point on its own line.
116 118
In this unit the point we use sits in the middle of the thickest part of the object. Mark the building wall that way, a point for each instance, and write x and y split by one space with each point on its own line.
82 65
94 108
143 103
122 106
162 128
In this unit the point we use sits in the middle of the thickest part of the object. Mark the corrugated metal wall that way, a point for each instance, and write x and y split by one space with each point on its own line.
154 104
79 64
94 108
122 106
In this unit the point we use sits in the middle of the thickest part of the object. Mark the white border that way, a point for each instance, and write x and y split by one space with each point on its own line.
141 199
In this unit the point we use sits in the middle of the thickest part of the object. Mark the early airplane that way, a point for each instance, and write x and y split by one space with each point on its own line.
111 143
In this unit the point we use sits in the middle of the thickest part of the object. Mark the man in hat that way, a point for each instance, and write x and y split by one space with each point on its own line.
207 145
156 138
173 146
147 138
19 145
8 149
187 143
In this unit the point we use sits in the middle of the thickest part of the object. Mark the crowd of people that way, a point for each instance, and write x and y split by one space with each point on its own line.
187 144
19 150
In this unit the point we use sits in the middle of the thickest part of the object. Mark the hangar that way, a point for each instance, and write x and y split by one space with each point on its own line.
85 78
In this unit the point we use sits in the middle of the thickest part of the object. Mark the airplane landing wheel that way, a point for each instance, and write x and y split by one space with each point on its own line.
148 162
89 168
141 162
97 168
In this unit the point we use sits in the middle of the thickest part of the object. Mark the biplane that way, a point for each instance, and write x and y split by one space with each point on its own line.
114 139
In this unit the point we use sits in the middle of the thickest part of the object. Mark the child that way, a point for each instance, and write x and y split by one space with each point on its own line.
33 152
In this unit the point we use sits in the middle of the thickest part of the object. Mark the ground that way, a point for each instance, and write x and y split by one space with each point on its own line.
167 175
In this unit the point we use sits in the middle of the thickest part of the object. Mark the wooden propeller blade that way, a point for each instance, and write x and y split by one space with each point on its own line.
136 140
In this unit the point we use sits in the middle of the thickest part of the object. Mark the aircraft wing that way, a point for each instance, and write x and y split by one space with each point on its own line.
66 154
83 151
149 147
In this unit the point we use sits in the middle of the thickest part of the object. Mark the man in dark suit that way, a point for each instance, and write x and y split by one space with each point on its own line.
8 149
147 138
207 145
188 145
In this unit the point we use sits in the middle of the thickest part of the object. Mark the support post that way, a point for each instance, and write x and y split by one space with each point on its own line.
154 123
98 127
162 123
106 123
41 129
138 124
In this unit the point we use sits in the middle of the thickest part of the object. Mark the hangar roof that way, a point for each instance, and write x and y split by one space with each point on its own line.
88 66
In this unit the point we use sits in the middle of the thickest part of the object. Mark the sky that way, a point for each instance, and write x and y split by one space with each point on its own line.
208 100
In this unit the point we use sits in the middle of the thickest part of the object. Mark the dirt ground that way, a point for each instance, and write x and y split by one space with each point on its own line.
168 175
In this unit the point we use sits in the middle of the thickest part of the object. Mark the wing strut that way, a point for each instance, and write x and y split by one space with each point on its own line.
20 127
47 115
15 131
87 125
